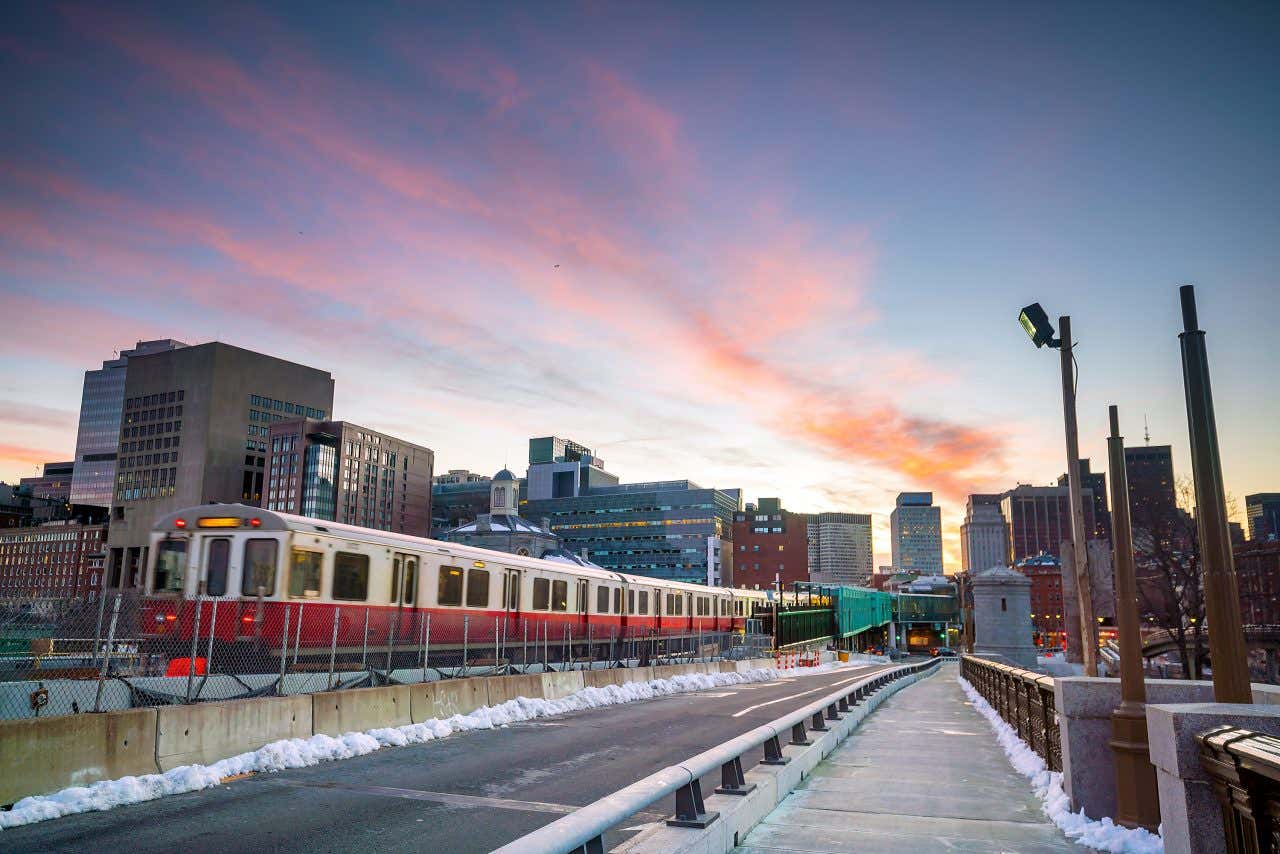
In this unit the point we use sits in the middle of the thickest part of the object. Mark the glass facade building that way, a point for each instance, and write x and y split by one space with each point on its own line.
667 529
320 482
98 437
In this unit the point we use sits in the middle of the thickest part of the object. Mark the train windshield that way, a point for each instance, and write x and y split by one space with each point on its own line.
171 562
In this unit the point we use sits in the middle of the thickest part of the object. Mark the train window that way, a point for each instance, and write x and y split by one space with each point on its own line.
171 562
559 596
631 601
644 602
511 590
449 591
304 574
478 588
219 557
541 594
724 607
350 576
617 600
259 575
602 599
671 604
395 580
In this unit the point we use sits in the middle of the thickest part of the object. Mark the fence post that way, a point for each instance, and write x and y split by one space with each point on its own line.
333 650
495 646
208 658
391 638
195 640
568 646
106 657
525 655
426 645
466 626
297 639
97 632
591 656
284 648
364 648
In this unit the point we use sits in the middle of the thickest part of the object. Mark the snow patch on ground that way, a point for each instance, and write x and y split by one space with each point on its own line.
302 752
1102 835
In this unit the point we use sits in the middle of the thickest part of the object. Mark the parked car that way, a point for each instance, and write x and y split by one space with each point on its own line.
943 652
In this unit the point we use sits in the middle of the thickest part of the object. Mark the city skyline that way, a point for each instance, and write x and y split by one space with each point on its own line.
798 280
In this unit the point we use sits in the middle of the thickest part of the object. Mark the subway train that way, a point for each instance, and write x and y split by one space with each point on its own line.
393 591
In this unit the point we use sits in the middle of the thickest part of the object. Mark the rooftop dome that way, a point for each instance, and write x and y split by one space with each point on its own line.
505 474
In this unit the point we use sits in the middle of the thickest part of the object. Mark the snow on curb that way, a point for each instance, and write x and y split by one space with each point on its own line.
1102 835
301 752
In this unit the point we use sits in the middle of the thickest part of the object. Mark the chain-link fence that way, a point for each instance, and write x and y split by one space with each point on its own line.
122 651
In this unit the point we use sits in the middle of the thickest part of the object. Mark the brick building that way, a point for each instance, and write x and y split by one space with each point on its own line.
1048 611
57 560
769 542
1258 579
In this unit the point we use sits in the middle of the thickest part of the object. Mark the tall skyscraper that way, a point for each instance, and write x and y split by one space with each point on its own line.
194 431
915 534
840 548
1096 481
343 472
1262 511
1153 502
984 534
101 403
1039 519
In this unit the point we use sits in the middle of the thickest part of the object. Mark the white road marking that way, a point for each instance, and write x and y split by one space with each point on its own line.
794 696
716 693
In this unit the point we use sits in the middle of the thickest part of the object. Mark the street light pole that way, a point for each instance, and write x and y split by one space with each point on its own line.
1222 599
1136 802
1080 560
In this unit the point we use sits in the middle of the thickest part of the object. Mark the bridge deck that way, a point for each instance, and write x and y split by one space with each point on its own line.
924 773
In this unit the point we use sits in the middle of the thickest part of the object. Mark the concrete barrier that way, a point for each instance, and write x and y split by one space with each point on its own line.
205 733
504 688
666 671
557 685
43 755
448 698
360 709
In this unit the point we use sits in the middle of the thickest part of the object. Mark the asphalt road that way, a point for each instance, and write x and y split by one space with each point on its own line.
470 792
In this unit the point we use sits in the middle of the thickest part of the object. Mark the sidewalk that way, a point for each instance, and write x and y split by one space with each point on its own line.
923 773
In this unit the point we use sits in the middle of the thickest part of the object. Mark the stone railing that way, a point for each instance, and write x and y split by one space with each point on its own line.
1244 770
1024 699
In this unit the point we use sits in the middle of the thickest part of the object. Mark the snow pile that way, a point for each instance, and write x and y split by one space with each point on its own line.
1103 835
302 752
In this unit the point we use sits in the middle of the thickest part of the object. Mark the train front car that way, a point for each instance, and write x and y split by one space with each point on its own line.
210 570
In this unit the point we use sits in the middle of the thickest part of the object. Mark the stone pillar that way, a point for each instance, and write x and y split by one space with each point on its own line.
1190 816
1002 616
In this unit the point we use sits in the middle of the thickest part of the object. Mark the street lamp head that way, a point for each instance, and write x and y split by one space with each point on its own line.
1037 326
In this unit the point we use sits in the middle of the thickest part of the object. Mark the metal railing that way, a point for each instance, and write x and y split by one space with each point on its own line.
584 829
1244 770
1024 699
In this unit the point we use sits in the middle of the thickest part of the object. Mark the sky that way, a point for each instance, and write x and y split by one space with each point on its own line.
778 247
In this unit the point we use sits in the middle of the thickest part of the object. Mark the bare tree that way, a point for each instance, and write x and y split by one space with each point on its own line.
1170 580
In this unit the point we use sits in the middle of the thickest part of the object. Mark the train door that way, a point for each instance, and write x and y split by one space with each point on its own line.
688 602
511 593
404 594
584 599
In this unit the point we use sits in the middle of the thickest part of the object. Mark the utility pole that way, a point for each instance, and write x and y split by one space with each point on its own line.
1221 596
1137 804
1080 559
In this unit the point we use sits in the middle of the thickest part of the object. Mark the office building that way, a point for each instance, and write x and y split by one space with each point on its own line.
671 529
915 534
1262 513
1258 577
460 476
194 430
1097 482
54 482
562 468
57 560
1153 503
98 436
984 534
770 545
343 472
839 548
1048 609
1039 519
